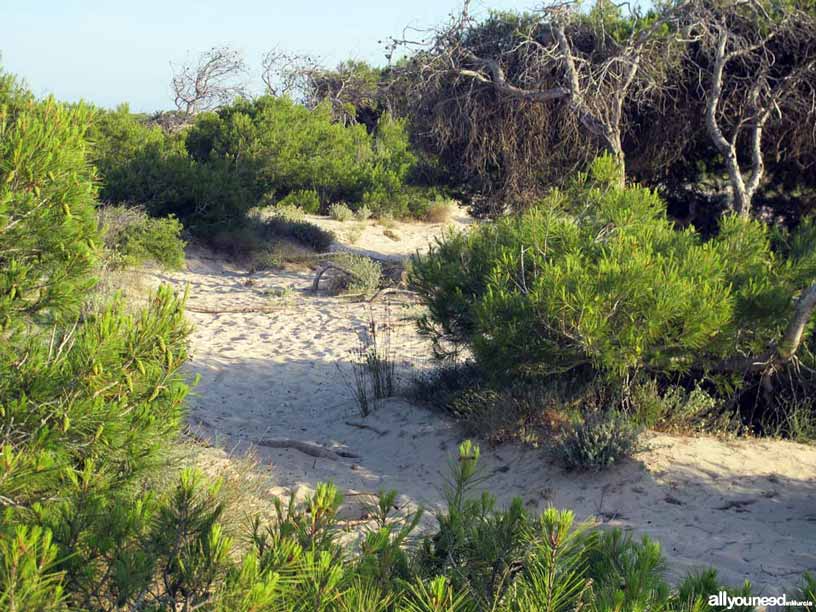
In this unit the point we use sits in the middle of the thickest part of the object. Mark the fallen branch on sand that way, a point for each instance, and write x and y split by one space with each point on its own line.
394 291
307 448
245 310
380 432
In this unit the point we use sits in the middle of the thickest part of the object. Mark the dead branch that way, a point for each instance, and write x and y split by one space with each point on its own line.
308 448
210 82
379 432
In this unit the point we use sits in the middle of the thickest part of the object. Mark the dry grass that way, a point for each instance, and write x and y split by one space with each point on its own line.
245 489
132 286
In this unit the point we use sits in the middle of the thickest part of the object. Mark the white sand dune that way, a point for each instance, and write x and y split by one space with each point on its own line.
746 507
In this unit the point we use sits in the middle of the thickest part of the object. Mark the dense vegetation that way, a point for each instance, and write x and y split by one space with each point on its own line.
512 109
91 399
595 299
254 153
595 285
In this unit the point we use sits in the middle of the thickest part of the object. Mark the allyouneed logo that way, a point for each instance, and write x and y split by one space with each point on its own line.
729 603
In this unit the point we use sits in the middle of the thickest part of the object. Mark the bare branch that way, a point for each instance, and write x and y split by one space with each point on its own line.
210 83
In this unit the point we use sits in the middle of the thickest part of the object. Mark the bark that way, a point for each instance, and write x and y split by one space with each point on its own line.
785 350
740 200
796 328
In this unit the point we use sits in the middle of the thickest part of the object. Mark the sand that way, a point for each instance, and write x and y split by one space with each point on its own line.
747 507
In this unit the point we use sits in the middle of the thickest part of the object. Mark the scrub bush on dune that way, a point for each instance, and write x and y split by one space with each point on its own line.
596 283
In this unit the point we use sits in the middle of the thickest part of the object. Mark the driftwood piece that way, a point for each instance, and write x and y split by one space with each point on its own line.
307 448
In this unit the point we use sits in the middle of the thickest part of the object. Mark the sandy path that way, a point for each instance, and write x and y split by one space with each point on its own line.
747 507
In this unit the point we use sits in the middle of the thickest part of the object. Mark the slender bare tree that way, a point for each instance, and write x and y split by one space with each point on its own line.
753 65
348 88
213 80
288 74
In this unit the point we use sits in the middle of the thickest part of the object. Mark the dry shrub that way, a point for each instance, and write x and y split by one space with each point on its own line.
440 211
340 212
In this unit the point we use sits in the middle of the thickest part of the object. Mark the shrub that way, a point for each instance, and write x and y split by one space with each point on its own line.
48 235
251 236
373 366
362 278
806 590
353 234
303 232
601 440
141 164
306 200
675 408
286 146
363 213
367 273
597 278
88 399
440 211
131 237
289 212
340 212
440 386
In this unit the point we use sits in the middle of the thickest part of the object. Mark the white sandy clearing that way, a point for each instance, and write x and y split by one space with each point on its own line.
405 239
745 507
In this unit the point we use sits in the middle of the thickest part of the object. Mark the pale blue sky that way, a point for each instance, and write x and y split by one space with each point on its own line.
112 51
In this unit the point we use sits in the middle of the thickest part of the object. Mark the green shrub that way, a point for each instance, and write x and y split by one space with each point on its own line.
303 232
288 148
440 386
48 236
306 200
140 164
246 238
131 237
806 591
675 407
88 398
596 278
340 212
599 441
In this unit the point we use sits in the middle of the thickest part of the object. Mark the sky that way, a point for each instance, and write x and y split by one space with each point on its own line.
113 51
